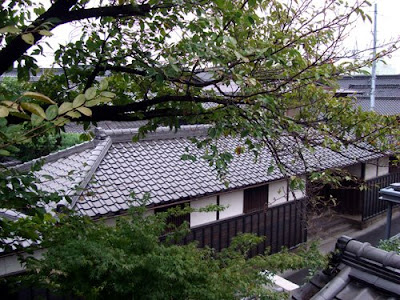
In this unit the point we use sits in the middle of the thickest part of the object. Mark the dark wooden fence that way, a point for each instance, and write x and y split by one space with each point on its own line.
283 225
371 206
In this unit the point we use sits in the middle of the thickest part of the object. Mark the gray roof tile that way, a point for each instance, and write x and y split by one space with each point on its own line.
387 92
154 165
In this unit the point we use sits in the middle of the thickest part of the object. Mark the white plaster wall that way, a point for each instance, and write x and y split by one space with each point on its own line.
277 191
198 218
233 203
383 166
370 169
149 212
110 222
10 264
298 194
355 170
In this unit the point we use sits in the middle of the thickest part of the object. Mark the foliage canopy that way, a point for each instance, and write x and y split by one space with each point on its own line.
130 261
259 70
256 69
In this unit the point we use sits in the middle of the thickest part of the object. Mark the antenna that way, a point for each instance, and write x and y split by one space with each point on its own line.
373 79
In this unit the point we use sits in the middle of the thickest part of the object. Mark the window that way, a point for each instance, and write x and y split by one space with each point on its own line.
255 199
176 220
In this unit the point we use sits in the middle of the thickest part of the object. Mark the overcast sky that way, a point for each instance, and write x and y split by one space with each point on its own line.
388 29
360 38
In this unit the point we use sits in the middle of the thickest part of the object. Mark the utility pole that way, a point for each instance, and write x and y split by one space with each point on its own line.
373 79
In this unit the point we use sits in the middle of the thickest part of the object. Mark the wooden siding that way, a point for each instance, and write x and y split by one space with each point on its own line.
282 226
255 199
371 205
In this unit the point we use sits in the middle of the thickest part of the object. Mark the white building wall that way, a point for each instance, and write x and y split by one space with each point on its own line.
233 203
383 166
371 169
298 194
110 222
277 192
199 218
355 170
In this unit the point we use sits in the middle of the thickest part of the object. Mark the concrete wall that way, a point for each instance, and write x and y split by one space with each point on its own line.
199 218
233 203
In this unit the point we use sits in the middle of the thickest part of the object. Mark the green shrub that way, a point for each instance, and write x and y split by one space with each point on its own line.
390 245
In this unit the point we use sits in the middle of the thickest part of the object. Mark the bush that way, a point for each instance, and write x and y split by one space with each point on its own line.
392 244
46 144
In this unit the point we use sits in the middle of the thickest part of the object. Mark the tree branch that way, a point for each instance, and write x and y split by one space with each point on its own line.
107 11
59 13
105 112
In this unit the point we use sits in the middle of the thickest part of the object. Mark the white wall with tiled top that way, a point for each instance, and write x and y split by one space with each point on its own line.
355 170
199 218
371 169
277 192
383 166
377 167
233 203
298 194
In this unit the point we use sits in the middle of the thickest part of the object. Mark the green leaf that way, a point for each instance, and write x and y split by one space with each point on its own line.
45 33
103 84
107 94
73 114
270 169
36 120
60 121
93 102
28 38
21 115
10 29
4 152
84 110
66 106
51 112
79 100
3 111
90 93
34 108
39 96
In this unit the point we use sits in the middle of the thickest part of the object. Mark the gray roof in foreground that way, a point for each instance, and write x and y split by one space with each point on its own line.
358 271
387 92
108 169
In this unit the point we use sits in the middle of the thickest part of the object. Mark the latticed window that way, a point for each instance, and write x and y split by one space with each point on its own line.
255 199
176 220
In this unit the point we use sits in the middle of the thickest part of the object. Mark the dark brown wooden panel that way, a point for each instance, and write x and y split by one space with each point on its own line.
255 199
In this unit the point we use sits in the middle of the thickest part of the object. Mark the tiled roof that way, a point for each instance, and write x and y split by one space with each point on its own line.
107 125
109 169
387 92
358 271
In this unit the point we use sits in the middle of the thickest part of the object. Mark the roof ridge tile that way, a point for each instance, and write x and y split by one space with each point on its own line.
56 155
92 164
161 133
